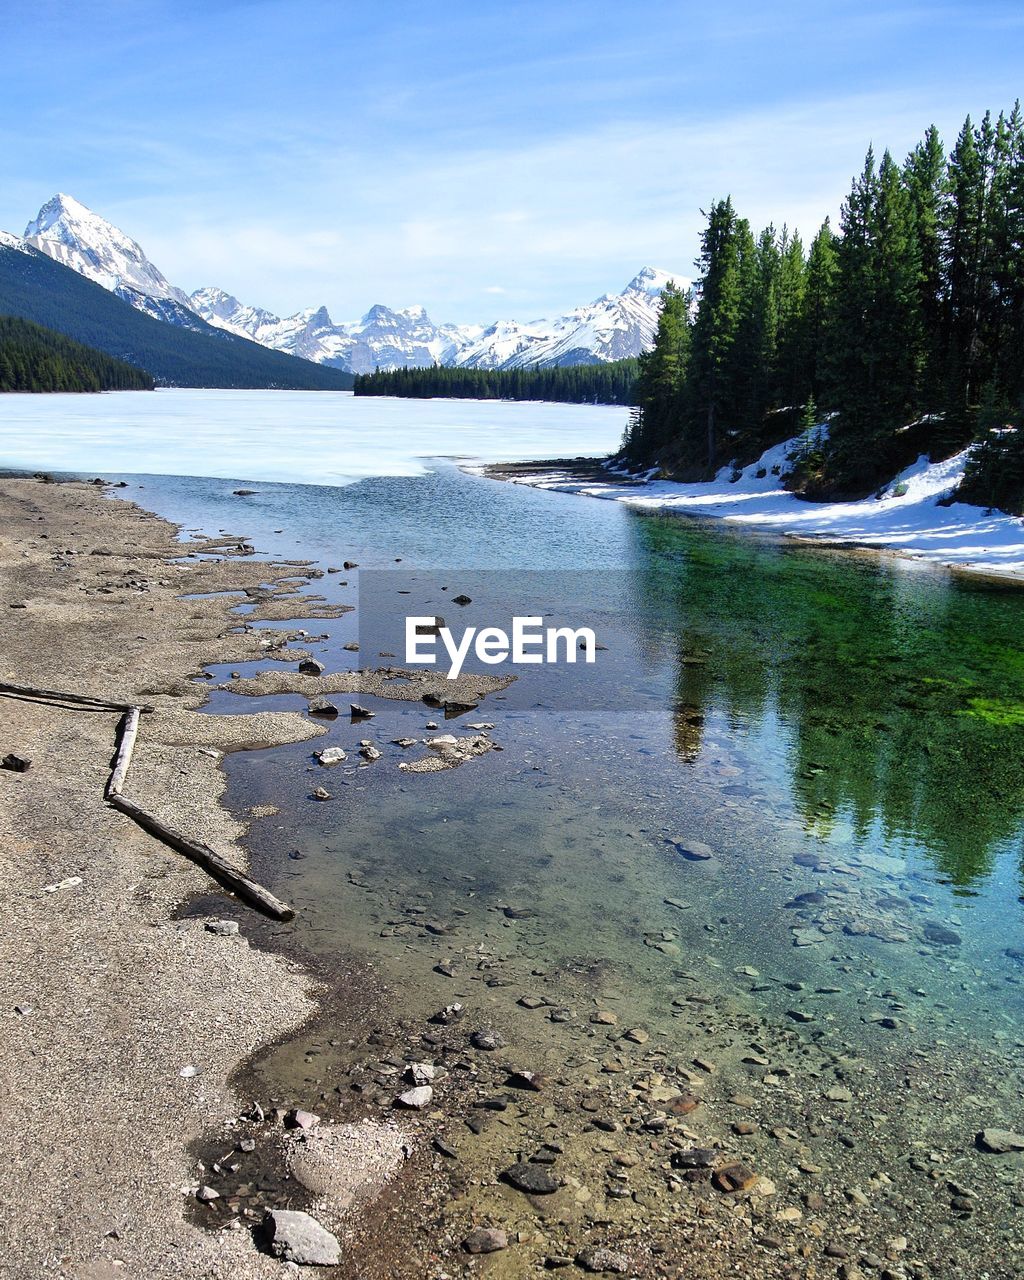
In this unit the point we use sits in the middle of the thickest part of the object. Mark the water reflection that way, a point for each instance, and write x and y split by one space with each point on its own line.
900 692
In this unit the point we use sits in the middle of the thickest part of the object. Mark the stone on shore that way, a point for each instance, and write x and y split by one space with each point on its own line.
415 1099
601 1261
485 1240
294 1236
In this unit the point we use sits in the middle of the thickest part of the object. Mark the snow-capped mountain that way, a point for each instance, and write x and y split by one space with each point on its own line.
76 237
383 338
610 328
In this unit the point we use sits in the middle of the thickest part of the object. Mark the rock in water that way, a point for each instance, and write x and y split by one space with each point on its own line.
323 708
294 1236
485 1240
533 1179
999 1141
331 756
310 667
693 850
941 936
733 1179
600 1261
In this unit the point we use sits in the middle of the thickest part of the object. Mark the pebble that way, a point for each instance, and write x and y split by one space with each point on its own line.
206 1195
604 1018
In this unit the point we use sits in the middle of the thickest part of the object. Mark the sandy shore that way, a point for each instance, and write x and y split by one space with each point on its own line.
110 1002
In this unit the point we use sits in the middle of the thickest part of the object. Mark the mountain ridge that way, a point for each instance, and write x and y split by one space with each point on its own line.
612 327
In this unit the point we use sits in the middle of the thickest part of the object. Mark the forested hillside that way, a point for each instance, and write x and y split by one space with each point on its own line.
610 383
902 330
36 359
36 288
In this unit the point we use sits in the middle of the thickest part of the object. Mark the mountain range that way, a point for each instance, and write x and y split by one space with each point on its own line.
187 353
612 327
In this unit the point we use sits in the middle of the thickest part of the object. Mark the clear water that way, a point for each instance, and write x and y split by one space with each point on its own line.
786 701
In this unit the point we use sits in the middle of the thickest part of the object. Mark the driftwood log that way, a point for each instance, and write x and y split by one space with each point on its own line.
207 858
77 699
126 735
218 867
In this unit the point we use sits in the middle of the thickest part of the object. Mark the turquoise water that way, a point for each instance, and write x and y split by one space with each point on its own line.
845 733
766 698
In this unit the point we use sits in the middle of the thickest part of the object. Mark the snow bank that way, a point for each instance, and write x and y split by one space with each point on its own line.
960 535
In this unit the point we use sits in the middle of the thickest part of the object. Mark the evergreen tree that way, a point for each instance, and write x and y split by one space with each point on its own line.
717 323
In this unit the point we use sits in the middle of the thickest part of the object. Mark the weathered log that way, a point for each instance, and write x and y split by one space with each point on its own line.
216 866
57 695
126 734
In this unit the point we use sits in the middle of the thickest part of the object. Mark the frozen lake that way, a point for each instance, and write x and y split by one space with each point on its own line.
310 437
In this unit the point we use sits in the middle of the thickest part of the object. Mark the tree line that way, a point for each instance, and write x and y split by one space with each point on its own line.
36 359
898 334
609 383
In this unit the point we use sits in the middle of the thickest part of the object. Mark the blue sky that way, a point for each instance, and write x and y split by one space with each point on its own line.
486 160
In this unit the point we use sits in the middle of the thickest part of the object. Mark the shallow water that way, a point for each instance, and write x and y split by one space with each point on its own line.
772 701
844 732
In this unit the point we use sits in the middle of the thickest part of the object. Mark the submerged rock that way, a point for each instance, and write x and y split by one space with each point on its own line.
532 1179
941 936
294 1236
693 850
485 1240
999 1141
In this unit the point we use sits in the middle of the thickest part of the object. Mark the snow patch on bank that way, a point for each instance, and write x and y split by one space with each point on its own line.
907 518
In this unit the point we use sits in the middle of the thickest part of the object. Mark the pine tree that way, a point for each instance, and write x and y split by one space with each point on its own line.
717 323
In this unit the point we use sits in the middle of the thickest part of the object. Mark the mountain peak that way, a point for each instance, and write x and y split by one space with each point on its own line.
654 280
76 237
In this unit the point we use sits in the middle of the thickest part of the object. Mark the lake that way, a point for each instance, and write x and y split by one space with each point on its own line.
775 833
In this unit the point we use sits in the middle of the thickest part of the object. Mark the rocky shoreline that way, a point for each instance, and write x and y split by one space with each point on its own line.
125 1020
